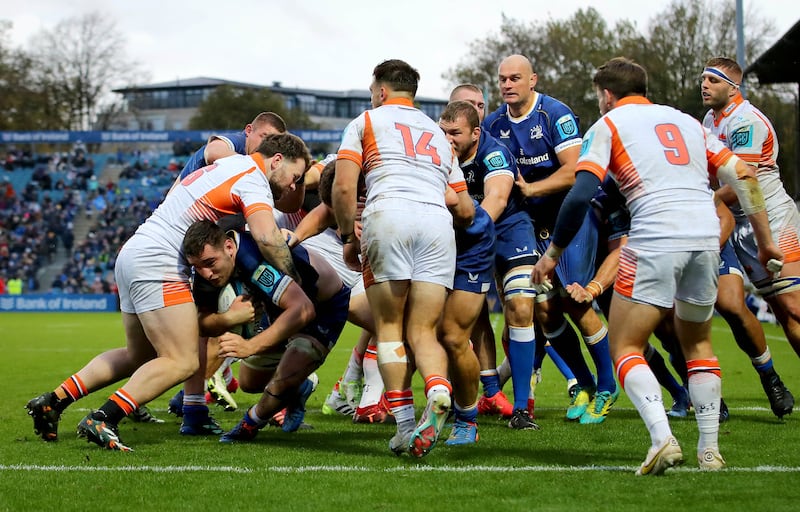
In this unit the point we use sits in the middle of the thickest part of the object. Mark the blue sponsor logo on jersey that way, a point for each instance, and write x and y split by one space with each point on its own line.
495 160
741 137
566 126
587 143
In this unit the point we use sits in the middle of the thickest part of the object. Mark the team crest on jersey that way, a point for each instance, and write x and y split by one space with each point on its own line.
586 144
469 177
567 127
741 137
495 160
536 132
505 134
264 277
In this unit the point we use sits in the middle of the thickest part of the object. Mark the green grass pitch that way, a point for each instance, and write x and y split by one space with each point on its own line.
345 467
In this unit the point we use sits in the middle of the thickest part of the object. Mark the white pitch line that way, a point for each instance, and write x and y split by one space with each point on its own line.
138 469
365 469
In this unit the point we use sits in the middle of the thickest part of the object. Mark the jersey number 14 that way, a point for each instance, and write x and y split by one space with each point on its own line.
422 147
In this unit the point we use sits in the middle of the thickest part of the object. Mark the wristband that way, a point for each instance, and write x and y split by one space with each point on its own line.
346 238
599 287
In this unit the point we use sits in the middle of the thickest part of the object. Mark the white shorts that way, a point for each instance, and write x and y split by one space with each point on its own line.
327 245
150 276
658 278
407 240
784 222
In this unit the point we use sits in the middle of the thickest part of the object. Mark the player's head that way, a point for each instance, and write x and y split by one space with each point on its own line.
619 77
286 158
516 79
393 76
461 125
719 82
471 93
210 251
325 185
265 123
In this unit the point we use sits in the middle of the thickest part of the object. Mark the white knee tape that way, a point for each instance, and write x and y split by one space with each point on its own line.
693 312
392 352
517 281
779 286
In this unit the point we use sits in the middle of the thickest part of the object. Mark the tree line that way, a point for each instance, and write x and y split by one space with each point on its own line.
62 79
674 47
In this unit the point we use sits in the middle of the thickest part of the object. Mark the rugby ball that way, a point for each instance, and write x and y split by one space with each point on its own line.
226 297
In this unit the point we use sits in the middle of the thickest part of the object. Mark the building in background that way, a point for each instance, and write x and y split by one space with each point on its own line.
170 105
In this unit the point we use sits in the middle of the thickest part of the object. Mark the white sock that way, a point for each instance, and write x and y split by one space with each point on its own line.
645 394
373 383
504 372
705 389
354 370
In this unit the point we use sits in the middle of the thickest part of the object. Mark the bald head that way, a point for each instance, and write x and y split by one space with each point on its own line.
517 62
517 80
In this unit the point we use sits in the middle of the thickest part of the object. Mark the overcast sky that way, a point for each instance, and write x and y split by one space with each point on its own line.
322 44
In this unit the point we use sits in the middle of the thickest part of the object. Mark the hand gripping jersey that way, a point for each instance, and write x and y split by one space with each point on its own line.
660 159
535 139
235 142
493 159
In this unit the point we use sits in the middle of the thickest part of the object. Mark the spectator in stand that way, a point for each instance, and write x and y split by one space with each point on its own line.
15 285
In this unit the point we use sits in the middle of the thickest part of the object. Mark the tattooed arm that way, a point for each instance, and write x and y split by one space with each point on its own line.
271 243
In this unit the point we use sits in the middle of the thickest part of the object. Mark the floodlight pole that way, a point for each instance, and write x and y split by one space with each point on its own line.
740 58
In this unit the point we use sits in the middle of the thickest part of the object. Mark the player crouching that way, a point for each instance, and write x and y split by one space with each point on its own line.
303 321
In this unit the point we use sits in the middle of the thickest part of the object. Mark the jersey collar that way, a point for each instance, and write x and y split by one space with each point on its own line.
536 97
258 158
729 108
399 101
633 100
471 157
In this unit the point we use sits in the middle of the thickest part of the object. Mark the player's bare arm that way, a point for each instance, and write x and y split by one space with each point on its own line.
314 223
271 243
562 179
217 149
298 311
213 323
464 210
343 194
496 191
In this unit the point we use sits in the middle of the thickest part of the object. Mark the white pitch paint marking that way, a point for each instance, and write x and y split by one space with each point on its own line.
364 469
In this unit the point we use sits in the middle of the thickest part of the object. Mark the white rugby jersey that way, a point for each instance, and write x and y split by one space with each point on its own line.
235 184
750 135
660 159
403 154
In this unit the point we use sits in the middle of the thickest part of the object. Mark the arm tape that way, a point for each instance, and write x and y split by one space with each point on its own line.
751 198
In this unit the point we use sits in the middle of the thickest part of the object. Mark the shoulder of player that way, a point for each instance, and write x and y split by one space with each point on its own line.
493 117
743 117
553 106
488 144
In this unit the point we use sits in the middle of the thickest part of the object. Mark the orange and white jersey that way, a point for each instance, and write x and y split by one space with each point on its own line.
660 159
403 154
748 133
235 184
